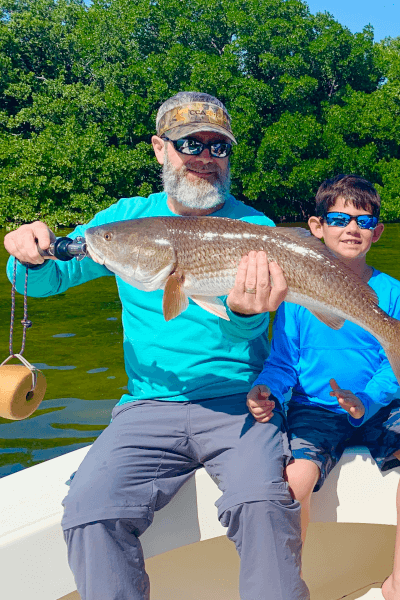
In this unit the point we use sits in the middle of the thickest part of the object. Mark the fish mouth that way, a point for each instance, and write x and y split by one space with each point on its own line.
92 254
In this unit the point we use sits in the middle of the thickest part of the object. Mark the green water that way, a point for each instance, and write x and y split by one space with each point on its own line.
76 340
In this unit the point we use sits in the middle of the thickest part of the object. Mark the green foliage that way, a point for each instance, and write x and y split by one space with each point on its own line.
80 87
390 189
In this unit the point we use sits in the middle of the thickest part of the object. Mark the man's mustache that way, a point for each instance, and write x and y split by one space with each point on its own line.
211 168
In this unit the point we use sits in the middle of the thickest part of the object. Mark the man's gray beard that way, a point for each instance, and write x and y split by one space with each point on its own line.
197 195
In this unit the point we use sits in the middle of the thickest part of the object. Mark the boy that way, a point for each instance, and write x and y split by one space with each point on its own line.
343 386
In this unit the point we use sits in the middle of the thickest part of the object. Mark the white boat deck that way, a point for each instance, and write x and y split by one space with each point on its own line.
348 553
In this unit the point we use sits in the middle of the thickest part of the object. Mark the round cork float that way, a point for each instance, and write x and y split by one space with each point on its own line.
16 400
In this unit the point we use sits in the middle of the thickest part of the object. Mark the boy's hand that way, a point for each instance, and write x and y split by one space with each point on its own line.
347 400
259 405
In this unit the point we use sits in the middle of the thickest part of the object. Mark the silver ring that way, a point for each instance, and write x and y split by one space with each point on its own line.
250 290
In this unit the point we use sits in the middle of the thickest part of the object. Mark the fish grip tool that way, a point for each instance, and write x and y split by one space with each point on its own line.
65 248
22 387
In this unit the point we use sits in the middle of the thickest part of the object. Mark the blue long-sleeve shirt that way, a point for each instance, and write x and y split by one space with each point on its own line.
306 354
193 357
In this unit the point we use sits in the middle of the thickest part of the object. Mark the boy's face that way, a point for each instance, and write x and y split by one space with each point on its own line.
350 242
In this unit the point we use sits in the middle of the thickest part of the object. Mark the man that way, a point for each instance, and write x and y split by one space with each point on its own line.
188 379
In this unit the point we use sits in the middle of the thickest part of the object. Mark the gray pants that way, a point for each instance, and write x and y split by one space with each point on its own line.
139 463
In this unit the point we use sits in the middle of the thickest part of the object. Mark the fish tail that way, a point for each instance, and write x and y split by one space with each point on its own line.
392 348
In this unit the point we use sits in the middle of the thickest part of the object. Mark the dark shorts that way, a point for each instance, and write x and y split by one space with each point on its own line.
321 436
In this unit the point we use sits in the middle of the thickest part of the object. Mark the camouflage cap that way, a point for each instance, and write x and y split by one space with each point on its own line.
190 112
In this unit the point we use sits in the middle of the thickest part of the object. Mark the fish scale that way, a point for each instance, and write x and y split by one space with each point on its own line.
198 258
202 257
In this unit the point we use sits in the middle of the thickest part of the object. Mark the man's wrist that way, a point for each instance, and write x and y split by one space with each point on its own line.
243 314
33 267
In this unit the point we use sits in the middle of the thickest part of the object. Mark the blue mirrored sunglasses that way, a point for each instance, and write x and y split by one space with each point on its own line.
339 219
194 147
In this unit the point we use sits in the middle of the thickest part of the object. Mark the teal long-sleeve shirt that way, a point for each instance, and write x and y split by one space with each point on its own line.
193 357
306 354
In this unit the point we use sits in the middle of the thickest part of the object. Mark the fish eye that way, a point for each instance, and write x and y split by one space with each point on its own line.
108 236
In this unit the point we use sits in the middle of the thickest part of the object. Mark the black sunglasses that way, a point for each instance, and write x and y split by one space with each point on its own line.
339 219
194 147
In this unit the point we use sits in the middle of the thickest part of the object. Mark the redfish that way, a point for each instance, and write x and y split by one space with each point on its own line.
198 257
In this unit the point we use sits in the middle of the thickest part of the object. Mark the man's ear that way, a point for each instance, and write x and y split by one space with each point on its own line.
378 232
158 147
315 226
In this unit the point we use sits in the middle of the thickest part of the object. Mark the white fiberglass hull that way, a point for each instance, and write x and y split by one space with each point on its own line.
349 549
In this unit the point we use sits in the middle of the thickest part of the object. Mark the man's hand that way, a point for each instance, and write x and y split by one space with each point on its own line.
23 242
347 400
259 404
255 274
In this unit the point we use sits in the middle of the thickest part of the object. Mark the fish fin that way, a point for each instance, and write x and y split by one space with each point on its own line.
329 318
175 300
297 232
212 304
